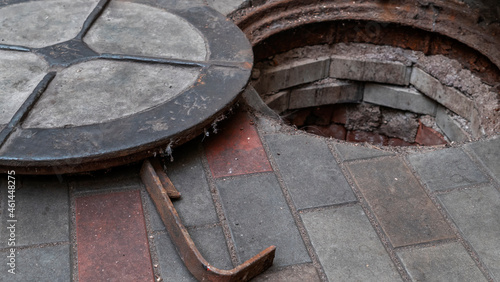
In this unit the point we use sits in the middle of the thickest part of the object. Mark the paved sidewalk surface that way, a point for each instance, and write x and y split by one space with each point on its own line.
335 211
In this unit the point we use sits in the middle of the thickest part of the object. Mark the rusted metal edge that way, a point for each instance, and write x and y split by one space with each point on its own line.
452 19
165 181
185 246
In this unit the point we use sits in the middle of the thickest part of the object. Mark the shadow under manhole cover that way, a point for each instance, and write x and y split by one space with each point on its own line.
86 85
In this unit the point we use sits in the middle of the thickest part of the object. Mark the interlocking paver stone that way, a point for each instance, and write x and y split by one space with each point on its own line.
42 211
401 206
39 24
124 177
489 155
195 207
447 169
237 149
171 266
349 152
347 246
209 241
294 273
112 239
50 263
259 217
448 262
310 171
476 213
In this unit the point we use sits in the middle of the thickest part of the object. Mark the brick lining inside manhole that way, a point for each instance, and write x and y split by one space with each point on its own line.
438 61
386 95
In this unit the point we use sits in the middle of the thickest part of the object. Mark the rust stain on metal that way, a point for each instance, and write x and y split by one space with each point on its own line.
165 181
185 246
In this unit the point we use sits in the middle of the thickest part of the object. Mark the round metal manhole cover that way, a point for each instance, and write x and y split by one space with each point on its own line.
90 84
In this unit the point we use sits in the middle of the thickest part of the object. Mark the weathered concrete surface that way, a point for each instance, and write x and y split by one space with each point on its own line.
449 262
399 98
405 212
42 23
19 75
100 91
354 255
121 30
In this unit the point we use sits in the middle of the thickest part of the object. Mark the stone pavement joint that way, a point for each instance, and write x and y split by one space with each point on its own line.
255 229
347 245
475 212
449 262
309 171
401 206
447 169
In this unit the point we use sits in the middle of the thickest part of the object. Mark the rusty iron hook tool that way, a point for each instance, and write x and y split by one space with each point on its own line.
152 176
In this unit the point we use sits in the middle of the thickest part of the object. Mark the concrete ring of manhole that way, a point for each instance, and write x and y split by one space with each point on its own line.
86 85
390 74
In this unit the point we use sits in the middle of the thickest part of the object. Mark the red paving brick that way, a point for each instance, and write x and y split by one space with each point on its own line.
237 149
111 238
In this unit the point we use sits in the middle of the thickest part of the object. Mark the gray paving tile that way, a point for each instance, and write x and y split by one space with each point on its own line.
447 169
171 266
259 217
488 153
38 264
186 172
347 246
118 178
209 241
310 171
476 213
42 211
294 273
196 206
353 152
401 206
448 262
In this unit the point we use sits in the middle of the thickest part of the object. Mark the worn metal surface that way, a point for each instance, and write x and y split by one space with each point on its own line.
52 147
192 258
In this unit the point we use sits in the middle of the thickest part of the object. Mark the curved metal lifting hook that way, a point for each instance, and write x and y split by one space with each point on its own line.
160 188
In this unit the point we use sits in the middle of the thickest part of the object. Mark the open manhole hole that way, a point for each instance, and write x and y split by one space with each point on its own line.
396 74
